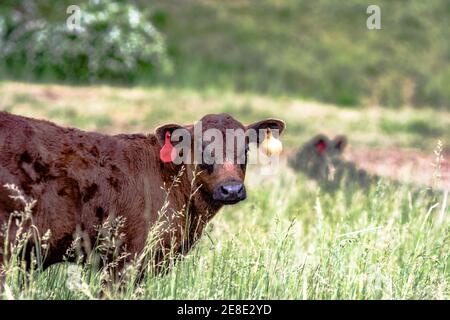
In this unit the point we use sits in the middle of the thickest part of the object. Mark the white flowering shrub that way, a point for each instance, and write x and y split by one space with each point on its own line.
114 41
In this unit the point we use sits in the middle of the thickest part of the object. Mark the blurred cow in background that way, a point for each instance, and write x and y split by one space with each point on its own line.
321 159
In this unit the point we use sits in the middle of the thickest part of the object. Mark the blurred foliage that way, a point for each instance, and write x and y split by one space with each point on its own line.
114 42
318 49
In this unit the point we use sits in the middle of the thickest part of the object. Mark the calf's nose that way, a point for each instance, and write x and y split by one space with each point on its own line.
232 189
231 192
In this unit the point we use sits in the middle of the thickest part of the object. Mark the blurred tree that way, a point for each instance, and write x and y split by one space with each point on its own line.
115 41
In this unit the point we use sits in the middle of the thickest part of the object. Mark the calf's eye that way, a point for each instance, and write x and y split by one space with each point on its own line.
207 167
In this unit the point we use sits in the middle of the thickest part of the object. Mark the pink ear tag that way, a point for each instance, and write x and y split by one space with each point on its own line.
321 146
165 154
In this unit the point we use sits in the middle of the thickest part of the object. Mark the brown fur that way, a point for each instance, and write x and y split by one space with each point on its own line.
80 178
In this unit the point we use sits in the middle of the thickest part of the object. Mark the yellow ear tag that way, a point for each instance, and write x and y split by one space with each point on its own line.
271 145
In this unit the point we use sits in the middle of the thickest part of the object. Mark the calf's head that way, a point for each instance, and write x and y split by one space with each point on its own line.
218 146
318 155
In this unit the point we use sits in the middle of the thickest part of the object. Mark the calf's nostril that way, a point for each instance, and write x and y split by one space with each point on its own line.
241 192
224 190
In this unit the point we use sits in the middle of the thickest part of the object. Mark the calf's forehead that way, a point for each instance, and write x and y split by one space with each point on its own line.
221 122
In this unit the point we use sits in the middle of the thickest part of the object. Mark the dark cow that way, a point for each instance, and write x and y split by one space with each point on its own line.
80 178
321 159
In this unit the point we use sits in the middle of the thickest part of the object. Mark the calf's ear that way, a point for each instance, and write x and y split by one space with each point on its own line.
161 131
339 143
274 124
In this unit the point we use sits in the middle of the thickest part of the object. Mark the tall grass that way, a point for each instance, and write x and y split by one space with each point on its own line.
289 240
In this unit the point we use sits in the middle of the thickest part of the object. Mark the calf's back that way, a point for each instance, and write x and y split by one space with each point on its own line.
80 178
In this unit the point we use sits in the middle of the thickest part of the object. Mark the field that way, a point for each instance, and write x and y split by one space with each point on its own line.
289 239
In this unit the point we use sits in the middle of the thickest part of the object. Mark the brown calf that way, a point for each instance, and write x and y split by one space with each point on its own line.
80 178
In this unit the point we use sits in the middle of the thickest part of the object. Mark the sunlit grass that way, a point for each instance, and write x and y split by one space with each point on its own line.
288 241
